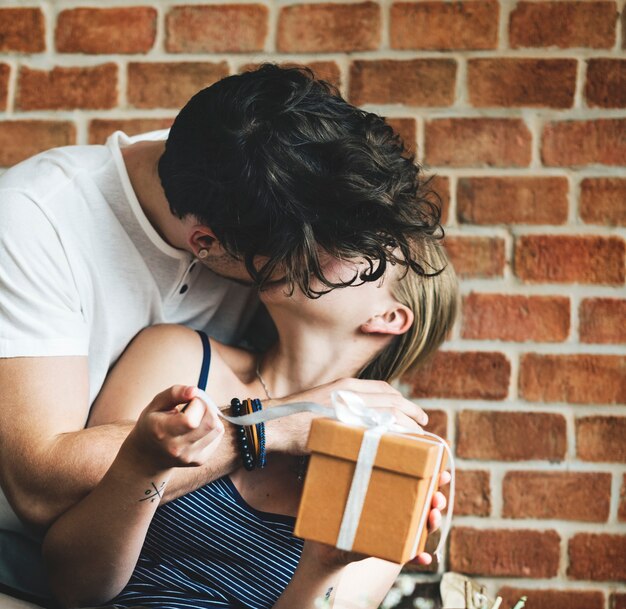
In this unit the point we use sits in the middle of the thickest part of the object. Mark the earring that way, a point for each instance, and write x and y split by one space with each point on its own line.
203 253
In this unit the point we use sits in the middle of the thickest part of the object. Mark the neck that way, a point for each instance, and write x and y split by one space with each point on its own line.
141 160
306 357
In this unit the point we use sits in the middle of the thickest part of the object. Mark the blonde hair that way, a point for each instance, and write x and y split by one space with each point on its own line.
434 300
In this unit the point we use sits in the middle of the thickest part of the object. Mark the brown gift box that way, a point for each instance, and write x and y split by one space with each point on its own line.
403 480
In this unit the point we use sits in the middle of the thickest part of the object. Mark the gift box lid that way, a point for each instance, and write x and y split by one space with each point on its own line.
413 455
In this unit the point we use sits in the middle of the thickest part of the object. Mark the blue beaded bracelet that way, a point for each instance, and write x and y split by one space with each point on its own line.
242 440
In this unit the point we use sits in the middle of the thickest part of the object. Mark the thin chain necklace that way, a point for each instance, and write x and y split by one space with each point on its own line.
302 461
258 374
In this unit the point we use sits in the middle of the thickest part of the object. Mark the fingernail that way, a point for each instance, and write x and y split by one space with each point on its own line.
424 420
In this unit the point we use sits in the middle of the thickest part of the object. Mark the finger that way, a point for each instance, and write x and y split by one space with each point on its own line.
205 430
193 413
172 397
424 559
434 520
381 400
444 478
439 501
366 386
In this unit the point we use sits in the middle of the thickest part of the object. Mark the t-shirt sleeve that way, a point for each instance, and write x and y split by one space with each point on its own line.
40 307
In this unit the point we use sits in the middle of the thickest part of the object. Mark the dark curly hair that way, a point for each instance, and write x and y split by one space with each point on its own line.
279 165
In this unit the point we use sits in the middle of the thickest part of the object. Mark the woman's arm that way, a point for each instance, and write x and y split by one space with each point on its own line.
323 574
92 549
348 580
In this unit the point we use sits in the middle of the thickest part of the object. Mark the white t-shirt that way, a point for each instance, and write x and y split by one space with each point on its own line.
82 271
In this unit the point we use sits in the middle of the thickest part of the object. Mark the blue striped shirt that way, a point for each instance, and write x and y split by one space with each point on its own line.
210 549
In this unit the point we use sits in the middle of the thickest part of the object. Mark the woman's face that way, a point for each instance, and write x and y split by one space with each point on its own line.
347 307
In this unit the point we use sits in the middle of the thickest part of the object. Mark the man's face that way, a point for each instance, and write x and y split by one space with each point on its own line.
225 265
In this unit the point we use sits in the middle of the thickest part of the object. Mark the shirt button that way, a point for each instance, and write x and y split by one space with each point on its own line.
184 289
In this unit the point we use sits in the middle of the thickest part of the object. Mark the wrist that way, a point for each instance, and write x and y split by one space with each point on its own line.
136 459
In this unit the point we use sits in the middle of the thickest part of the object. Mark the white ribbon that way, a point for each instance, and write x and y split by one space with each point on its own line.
350 409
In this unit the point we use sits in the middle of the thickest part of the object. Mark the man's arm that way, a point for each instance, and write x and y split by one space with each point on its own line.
48 462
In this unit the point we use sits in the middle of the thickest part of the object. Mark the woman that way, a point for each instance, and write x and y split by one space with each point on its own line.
229 543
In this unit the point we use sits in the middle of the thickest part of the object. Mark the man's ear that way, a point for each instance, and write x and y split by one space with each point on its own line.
201 239
395 321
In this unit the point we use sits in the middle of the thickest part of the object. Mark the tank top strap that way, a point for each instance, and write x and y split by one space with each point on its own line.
206 360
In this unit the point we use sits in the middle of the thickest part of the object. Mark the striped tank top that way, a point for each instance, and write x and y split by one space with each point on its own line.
210 549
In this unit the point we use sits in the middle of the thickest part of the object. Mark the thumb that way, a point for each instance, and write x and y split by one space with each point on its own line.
172 397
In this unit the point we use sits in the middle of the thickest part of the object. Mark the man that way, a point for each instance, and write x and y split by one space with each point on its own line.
262 175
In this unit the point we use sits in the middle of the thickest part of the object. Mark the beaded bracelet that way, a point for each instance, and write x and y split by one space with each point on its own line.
260 428
242 439
251 431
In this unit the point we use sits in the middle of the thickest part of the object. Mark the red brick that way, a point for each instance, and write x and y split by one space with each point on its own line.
515 318
462 374
621 512
475 142
502 553
617 600
597 557
563 24
553 599
406 128
510 82
100 129
603 201
571 143
473 494
170 85
575 379
22 30
510 200
89 88
328 27
437 422
22 139
219 28
322 70
606 83
106 30
5 71
445 26
511 436
601 439
602 320
570 259
474 257
557 495
425 82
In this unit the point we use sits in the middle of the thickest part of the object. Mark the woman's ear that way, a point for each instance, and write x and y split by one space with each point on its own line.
395 321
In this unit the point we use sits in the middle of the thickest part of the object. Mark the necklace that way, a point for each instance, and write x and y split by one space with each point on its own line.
258 374
302 461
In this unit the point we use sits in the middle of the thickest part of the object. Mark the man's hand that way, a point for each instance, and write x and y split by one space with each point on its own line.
290 434
176 429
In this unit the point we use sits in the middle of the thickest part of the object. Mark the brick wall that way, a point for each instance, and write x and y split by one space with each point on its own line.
520 110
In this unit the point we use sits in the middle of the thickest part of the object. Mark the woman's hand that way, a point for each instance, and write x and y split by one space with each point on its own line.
176 430
290 433
434 518
332 558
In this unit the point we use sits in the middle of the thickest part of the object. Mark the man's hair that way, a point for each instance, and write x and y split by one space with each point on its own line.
279 166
